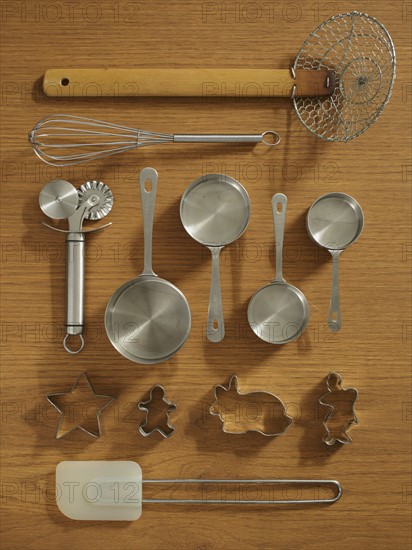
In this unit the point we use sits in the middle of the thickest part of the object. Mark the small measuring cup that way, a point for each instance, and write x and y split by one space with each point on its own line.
335 221
279 312
215 211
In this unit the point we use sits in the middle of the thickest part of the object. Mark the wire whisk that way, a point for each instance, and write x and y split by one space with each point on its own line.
63 140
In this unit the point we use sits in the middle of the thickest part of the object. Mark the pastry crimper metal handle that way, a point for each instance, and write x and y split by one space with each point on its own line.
75 253
59 199
74 288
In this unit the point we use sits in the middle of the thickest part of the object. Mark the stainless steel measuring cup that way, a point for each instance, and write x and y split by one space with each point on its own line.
279 312
215 211
335 221
148 318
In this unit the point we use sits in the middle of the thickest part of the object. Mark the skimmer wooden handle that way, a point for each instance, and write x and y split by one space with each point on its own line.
187 82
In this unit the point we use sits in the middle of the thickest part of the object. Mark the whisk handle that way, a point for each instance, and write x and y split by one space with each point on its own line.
269 137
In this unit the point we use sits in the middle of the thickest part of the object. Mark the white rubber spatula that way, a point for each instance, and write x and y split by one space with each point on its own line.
112 490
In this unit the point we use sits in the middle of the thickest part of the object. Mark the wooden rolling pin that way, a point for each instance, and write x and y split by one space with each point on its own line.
187 82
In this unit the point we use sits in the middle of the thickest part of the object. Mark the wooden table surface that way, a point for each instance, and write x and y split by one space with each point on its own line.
371 352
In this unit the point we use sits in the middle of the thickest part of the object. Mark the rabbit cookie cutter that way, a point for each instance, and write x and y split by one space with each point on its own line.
256 411
341 414
157 399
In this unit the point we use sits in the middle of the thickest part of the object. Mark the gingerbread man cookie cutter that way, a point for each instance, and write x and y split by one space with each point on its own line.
167 429
341 414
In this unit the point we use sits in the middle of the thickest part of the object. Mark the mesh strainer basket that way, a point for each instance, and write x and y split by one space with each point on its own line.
361 53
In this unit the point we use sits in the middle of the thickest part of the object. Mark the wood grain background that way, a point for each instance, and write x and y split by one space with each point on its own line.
372 351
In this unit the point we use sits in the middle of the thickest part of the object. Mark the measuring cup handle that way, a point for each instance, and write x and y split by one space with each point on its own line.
148 197
215 330
334 320
279 218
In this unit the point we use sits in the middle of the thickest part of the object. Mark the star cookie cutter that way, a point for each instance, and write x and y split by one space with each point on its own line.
53 399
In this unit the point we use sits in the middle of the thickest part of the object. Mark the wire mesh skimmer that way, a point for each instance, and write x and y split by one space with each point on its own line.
354 48
360 51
